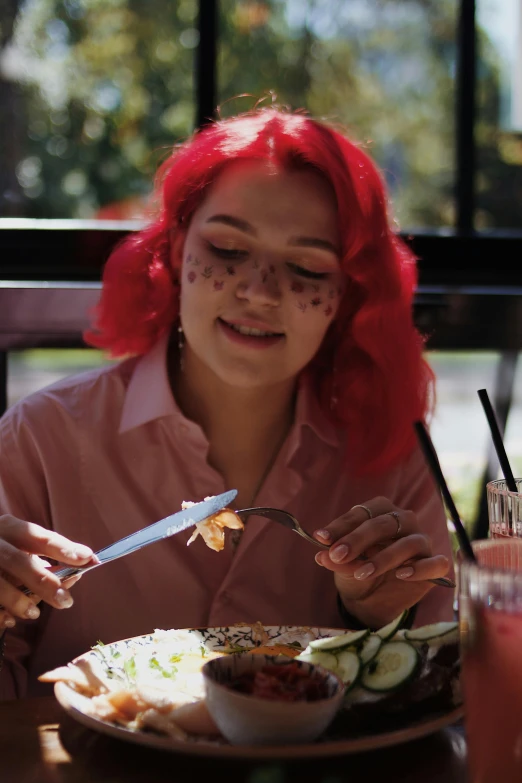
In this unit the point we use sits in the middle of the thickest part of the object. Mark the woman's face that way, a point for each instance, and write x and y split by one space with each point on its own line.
260 277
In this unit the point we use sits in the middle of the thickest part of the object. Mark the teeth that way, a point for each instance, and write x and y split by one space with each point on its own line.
251 331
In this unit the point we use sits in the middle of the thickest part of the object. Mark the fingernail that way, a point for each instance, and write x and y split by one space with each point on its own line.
63 598
83 552
78 553
364 571
32 612
9 622
339 553
317 559
404 573
324 534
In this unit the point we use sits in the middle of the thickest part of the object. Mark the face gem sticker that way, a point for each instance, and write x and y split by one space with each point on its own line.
315 287
328 311
302 306
191 276
316 301
297 287
218 285
230 270
207 272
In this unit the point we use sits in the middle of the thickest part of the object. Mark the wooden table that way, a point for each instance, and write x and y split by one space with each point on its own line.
39 743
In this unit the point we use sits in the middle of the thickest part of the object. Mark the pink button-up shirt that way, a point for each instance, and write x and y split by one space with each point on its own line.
100 455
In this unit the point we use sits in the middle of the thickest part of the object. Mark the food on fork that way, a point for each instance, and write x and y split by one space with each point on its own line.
212 529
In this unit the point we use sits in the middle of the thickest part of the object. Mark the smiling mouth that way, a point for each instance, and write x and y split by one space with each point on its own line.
250 331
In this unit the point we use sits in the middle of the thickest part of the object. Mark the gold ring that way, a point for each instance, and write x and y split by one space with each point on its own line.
395 515
368 510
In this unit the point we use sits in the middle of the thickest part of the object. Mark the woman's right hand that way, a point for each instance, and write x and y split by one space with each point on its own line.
21 545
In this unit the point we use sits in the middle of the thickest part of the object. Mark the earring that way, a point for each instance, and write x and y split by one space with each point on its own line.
181 345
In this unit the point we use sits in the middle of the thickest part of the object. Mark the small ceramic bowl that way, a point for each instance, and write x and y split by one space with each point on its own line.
246 719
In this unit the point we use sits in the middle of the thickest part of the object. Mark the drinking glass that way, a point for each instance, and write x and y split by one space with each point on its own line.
504 509
490 616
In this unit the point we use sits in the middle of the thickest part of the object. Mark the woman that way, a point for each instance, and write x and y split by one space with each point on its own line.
267 314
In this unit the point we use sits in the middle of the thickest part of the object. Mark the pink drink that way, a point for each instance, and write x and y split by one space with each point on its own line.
490 608
492 681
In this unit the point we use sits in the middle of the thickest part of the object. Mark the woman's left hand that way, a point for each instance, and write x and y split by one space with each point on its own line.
398 560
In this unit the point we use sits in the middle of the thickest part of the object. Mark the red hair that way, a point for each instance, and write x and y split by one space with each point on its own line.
371 360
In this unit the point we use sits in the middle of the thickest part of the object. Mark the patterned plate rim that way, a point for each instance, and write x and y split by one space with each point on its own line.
67 696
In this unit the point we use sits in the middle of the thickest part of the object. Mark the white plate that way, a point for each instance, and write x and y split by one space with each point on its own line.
76 705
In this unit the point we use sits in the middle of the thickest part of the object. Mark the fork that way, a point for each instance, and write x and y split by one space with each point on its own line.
289 521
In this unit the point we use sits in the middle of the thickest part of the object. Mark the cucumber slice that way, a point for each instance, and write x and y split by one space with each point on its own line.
348 668
370 648
325 659
338 642
438 633
394 665
387 631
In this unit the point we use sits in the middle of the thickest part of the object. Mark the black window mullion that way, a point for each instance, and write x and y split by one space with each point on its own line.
466 78
206 56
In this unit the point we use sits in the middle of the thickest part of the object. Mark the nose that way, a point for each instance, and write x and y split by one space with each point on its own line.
260 285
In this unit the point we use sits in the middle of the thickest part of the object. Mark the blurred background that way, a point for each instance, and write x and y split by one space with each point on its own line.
94 94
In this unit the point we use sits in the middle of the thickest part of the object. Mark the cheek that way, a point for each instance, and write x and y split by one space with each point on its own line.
317 301
206 277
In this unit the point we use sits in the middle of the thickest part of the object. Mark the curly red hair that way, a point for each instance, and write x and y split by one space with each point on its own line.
371 359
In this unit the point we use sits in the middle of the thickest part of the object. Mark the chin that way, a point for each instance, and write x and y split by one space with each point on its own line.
248 377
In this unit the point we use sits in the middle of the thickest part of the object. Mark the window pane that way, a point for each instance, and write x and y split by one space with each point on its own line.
499 114
383 68
92 96
29 371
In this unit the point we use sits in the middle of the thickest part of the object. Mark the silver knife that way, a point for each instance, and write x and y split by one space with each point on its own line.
165 528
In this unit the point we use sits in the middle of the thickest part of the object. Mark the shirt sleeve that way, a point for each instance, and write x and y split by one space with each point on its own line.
418 492
23 494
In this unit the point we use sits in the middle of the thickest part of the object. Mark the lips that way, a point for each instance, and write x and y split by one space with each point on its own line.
252 329
250 333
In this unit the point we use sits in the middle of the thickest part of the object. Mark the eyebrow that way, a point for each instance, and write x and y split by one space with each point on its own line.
243 225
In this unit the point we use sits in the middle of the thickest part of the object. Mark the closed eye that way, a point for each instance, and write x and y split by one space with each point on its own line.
228 253
303 272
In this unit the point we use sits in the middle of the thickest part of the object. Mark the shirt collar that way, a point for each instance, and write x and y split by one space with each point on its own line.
150 397
308 413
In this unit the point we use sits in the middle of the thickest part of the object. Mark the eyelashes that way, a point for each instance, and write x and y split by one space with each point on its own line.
228 254
235 254
303 272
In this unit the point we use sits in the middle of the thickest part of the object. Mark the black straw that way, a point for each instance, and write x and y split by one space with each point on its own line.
433 462
497 440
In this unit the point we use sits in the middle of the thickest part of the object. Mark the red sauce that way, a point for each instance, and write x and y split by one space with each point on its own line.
285 682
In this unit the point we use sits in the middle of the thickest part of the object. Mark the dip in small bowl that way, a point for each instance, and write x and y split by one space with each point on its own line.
265 700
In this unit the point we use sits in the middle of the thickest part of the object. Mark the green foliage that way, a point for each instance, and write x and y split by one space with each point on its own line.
102 89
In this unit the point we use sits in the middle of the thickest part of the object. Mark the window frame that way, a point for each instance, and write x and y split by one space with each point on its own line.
458 256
